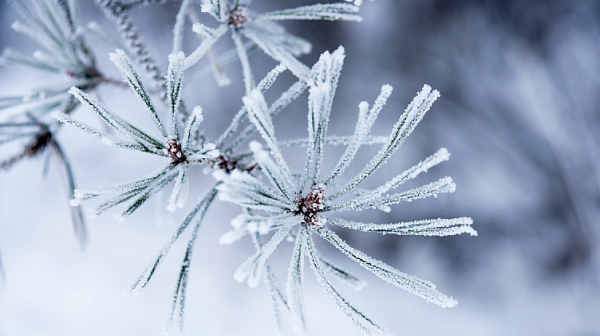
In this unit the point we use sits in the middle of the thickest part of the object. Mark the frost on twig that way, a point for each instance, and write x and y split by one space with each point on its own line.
291 209
119 11
172 145
176 143
56 29
280 203
264 32
231 164
42 139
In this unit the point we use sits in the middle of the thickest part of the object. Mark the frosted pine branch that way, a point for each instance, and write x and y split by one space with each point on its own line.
175 148
54 25
263 30
313 210
280 203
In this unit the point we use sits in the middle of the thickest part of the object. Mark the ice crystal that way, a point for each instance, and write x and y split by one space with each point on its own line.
290 210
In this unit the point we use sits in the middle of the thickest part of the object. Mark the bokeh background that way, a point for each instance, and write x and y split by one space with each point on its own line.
519 112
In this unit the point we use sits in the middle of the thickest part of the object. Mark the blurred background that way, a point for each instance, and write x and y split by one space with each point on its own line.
519 112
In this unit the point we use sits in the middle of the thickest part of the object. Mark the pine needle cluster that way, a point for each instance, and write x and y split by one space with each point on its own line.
276 201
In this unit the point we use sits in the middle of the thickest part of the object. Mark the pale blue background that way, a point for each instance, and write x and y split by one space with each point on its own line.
519 113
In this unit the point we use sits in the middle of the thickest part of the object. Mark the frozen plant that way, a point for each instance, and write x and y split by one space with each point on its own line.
262 31
291 205
295 207
55 25
175 145
229 159
181 149
273 40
